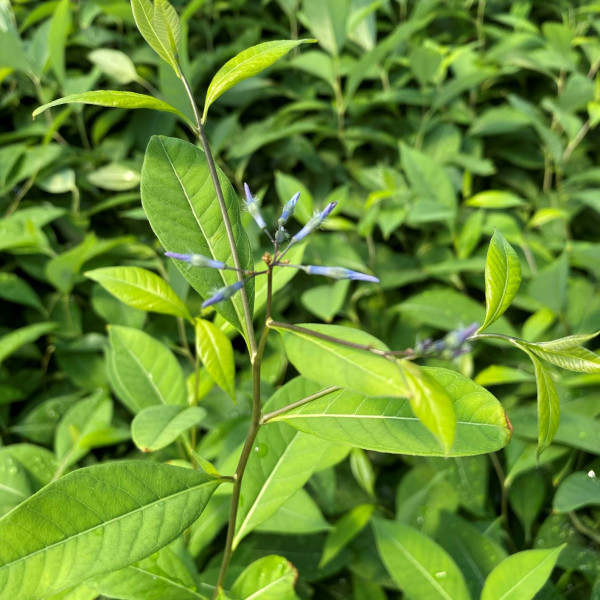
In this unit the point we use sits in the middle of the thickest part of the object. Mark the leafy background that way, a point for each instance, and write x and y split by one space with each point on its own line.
432 124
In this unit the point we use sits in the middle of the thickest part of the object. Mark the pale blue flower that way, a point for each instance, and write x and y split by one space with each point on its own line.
197 260
288 210
223 294
339 273
253 207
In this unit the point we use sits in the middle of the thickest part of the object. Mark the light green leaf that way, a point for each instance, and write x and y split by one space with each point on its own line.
417 564
268 578
565 343
247 64
502 278
96 520
578 359
387 424
12 341
179 199
140 288
216 353
115 64
143 371
346 529
327 21
57 38
159 28
431 404
495 199
114 99
579 489
282 461
334 364
520 576
155 427
114 177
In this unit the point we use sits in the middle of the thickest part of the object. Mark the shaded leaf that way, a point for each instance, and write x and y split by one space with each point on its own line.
12 341
577 490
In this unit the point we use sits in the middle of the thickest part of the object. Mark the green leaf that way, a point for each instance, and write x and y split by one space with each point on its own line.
143 371
96 520
417 564
114 99
495 199
12 341
114 177
268 578
327 21
115 64
141 289
15 289
346 529
502 278
155 427
60 24
520 576
387 424
159 27
179 199
578 359
247 64
331 363
579 489
216 353
282 461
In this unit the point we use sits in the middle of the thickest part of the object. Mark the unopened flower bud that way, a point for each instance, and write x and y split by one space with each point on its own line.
197 260
253 208
314 223
223 294
340 273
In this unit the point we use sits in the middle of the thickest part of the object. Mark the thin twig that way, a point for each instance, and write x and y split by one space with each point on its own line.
269 416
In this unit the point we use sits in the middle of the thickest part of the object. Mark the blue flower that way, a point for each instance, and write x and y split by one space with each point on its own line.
223 294
253 208
339 273
288 210
197 260
314 223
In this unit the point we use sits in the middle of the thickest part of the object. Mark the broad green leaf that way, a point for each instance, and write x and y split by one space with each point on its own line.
269 578
579 489
156 427
162 576
387 424
247 64
60 24
502 278
417 564
180 202
155 22
12 341
94 521
141 289
282 461
327 300
346 529
430 402
114 177
15 289
549 285
331 363
216 353
114 99
143 371
327 21
526 496
520 576
115 64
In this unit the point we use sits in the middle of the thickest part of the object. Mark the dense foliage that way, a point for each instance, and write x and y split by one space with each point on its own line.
458 140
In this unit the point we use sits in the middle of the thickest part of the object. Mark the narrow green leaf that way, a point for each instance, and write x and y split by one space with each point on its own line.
578 359
15 289
417 564
579 489
331 363
167 26
156 427
180 202
12 341
268 578
60 24
247 64
216 353
430 402
520 576
96 520
147 20
502 278
141 289
143 371
495 199
387 424
115 99
565 343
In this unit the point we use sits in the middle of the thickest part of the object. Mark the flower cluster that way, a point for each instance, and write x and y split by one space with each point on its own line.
252 205
450 347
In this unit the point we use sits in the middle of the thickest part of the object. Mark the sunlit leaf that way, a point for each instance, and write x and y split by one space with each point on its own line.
216 353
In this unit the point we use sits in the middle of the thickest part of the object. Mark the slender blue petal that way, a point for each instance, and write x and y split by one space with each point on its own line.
197 260
223 294
253 208
339 273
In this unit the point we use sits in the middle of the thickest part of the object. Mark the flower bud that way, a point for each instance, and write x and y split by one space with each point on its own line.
223 294
253 208
314 223
339 273
197 260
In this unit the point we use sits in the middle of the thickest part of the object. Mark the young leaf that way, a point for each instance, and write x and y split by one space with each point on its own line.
114 99
156 427
417 564
216 353
520 576
159 27
140 289
387 424
268 578
143 371
247 64
578 359
502 278
179 199
96 520
565 343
